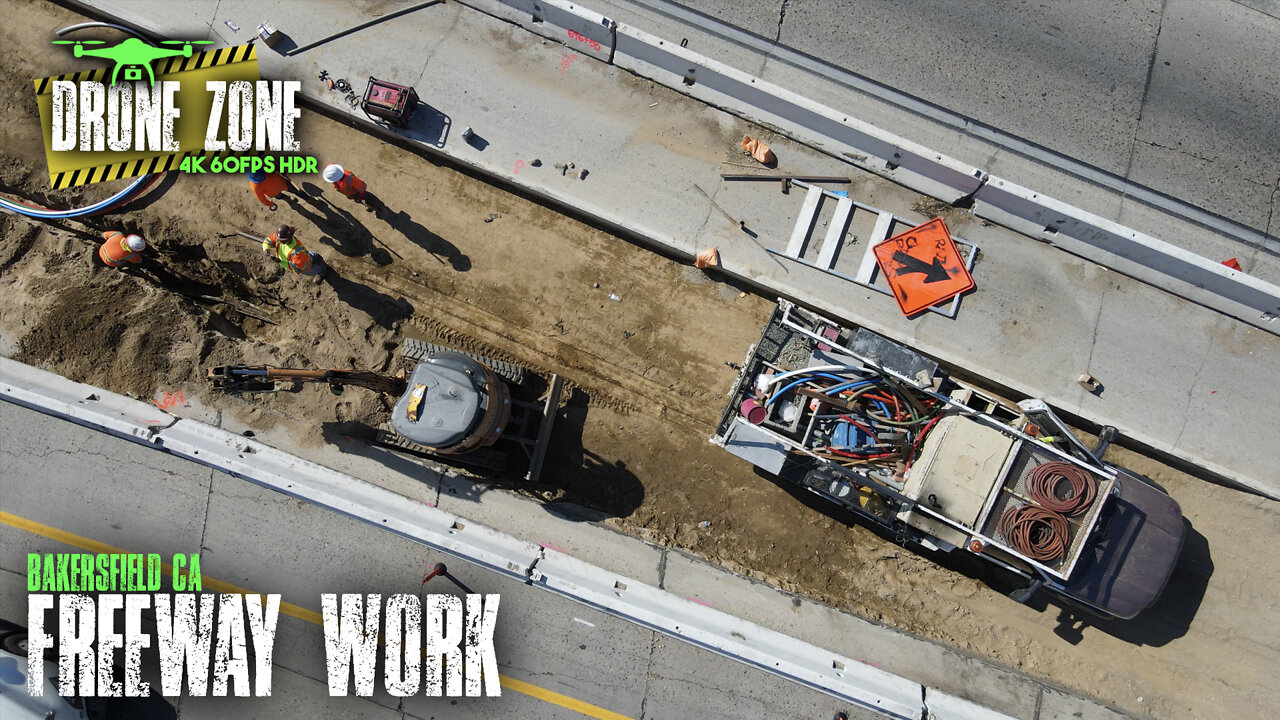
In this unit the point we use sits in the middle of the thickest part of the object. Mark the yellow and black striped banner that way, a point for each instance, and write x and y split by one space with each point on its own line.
80 167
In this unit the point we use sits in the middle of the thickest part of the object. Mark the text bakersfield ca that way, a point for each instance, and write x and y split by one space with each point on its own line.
434 645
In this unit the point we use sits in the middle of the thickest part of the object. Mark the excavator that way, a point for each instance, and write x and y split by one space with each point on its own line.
453 405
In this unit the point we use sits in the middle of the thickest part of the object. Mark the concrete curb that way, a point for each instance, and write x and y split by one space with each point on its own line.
842 677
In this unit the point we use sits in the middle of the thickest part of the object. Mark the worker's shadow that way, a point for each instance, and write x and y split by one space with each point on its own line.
342 231
585 485
414 231
385 310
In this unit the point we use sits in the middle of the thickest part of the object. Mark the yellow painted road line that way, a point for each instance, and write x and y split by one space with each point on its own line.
315 618
85 543
556 698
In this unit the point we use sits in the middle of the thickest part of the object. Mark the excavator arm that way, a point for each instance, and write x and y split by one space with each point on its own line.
263 378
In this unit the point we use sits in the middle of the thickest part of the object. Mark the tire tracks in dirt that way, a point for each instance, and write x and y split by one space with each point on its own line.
470 328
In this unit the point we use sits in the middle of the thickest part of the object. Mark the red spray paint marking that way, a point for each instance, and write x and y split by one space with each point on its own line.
566 61
519 165
170 399
584 39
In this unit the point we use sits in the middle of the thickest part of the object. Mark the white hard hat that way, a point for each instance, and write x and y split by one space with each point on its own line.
333 172
136 243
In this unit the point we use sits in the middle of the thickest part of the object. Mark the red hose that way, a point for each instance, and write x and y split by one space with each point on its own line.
1035 532
1044 481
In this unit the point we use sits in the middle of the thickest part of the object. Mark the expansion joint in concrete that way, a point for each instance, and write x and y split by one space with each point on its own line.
1271 211
662 569
648 669
782 16
1146 89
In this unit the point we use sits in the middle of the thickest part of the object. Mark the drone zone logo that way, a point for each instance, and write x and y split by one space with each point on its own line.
161 107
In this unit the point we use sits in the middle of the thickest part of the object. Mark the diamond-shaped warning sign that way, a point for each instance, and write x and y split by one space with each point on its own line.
923 267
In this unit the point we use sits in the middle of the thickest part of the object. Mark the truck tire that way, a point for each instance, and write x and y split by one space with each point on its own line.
417 350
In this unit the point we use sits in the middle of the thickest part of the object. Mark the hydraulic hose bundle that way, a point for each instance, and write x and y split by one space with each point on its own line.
136 188
1041 531
877 420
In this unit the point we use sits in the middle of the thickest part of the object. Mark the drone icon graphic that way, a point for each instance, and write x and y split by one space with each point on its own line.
132 54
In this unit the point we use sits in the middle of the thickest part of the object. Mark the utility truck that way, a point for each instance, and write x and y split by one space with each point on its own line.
880 429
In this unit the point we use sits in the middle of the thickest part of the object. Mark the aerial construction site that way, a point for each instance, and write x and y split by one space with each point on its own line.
624 298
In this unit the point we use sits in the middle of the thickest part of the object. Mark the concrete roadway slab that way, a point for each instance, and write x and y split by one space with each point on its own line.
1029 68
1177 96
1217 66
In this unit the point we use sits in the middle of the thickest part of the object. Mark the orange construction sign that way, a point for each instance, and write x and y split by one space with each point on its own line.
923 267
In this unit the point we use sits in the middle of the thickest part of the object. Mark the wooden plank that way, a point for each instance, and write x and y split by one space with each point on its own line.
879 234
835 232
804 223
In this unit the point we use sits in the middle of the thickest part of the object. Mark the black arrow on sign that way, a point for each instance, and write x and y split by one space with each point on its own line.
911 264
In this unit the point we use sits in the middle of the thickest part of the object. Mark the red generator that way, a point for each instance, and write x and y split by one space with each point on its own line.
388 101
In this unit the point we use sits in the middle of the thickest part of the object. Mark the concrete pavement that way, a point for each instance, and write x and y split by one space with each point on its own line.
1037 320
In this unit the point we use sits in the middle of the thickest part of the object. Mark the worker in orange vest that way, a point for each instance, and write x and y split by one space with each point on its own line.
284 247
267 186
120 250
347 183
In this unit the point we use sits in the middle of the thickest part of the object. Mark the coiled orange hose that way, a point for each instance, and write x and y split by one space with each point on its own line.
1043 483
1038 533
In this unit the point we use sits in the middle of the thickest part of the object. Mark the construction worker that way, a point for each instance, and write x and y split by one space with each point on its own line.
120 250
284 247
267 186
347 183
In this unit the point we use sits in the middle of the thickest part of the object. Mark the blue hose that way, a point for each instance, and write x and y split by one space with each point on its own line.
108 204
804 379
848 386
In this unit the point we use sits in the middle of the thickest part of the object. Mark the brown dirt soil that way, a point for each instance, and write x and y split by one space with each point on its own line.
648 373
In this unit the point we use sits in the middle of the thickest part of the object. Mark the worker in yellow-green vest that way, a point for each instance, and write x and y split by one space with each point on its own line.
284 247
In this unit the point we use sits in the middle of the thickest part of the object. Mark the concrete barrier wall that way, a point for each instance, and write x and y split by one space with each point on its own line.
837 133
1196 278
581 30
